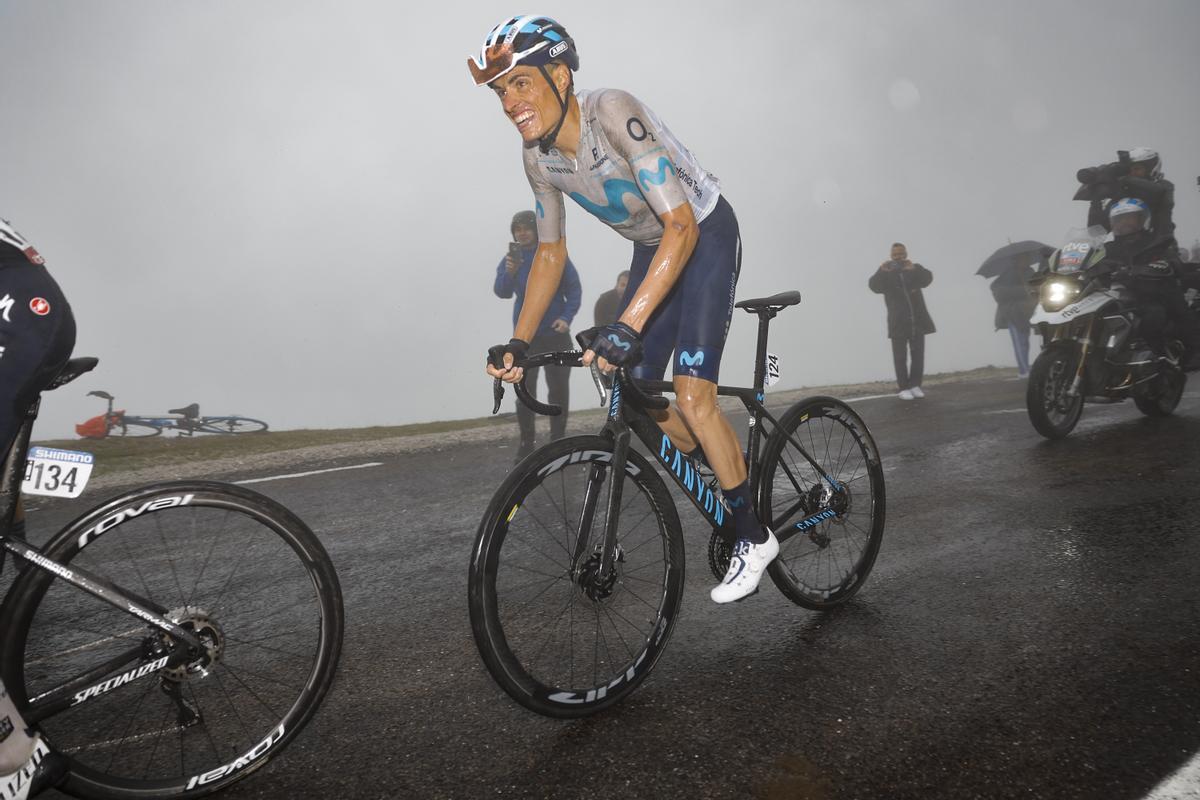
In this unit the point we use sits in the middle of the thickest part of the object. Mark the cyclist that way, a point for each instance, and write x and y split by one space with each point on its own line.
614 157
37 332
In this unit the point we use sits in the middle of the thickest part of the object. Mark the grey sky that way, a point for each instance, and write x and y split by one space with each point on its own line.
294 210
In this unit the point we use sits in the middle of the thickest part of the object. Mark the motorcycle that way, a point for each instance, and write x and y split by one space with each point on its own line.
1092 347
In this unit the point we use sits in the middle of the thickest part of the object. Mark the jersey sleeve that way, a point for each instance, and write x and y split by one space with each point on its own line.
635 133
548 202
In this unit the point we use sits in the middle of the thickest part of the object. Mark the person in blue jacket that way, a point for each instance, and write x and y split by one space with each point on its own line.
554 333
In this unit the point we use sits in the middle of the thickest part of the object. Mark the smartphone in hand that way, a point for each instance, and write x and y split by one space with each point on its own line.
514 251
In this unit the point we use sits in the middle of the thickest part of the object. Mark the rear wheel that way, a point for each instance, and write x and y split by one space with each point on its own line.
1052 411
1168 391
243 573
824 561
134 430
559 638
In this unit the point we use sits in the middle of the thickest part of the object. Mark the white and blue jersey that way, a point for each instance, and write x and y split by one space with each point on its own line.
628 171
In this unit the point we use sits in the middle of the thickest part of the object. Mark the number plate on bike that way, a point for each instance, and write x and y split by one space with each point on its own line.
56 473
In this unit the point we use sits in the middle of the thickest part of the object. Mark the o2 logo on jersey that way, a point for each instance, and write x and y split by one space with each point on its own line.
39 306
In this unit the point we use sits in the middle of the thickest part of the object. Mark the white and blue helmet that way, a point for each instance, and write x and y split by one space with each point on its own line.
1124 207
532 40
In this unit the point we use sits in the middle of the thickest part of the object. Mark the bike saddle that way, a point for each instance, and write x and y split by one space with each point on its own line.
191 412
776 301
72 370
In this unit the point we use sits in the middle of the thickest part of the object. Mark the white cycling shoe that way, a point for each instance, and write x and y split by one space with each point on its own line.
746 569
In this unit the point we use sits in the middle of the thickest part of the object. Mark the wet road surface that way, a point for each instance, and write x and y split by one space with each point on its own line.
1030 630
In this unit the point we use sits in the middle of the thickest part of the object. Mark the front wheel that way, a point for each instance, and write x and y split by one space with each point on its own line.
560 638
829 517
231 425
1169 391
239 570
1052 411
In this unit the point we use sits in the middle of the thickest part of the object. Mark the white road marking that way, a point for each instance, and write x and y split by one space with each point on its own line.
1007 411
1184 784
869 397
313 472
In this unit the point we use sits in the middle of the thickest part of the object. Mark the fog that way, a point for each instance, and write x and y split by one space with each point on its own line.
294 210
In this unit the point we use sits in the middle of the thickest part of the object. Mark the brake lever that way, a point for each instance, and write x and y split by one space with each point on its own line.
600 388
497 394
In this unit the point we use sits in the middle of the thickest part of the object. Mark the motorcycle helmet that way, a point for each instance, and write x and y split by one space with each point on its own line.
1149 158
1128 215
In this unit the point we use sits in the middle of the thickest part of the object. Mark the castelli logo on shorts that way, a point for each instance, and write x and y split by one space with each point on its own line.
39 306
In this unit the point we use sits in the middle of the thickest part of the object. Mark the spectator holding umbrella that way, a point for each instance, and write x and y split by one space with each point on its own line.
1012 266
900 281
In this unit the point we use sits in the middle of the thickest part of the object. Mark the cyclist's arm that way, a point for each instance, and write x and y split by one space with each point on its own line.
551 257
632 130
544 278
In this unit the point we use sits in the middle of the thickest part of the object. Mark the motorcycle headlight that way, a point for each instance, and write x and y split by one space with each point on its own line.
1058 293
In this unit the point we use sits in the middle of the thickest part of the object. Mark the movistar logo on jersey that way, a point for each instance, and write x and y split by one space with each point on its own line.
657 177
615 190
686 359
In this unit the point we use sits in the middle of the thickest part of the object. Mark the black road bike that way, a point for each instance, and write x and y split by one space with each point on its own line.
171 640
576 579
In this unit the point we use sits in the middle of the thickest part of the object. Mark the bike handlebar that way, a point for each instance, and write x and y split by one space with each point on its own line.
571 358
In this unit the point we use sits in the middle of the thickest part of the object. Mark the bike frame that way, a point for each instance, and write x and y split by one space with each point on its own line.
63 696
628 418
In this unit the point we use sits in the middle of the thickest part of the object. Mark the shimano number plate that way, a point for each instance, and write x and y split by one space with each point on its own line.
56 473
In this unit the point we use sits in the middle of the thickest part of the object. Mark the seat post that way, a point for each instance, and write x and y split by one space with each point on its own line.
14 469
760 363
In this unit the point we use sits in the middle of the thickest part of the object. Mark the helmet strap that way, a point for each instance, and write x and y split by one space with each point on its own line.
547 141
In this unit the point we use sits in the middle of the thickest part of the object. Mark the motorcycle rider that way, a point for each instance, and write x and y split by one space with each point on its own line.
1137 174
1151 264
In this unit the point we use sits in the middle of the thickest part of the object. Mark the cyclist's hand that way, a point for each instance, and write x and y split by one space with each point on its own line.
615 345
501 358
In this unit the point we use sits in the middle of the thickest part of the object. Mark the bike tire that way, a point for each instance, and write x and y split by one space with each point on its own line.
232 425
1052 415
134 430
824 565
520 537
286 579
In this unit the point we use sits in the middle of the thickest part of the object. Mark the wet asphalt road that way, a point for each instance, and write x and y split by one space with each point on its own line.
1029 630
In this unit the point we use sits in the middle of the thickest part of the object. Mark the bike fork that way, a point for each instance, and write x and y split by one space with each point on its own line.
591 499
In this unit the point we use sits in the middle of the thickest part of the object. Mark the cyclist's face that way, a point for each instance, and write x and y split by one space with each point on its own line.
529 101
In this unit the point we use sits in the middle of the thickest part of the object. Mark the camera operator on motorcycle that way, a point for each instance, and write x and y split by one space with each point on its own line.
1136 174
1150 261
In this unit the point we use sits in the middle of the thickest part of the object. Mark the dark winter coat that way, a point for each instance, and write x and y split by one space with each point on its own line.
1015 302
901 289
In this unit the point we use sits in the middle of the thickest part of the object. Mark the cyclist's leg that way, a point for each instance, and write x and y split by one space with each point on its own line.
658 341
16 745
707 294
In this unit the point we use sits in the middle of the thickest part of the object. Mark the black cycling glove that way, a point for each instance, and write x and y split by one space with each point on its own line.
618 344
518 347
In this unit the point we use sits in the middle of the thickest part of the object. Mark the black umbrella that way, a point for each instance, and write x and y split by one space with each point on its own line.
1008 256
